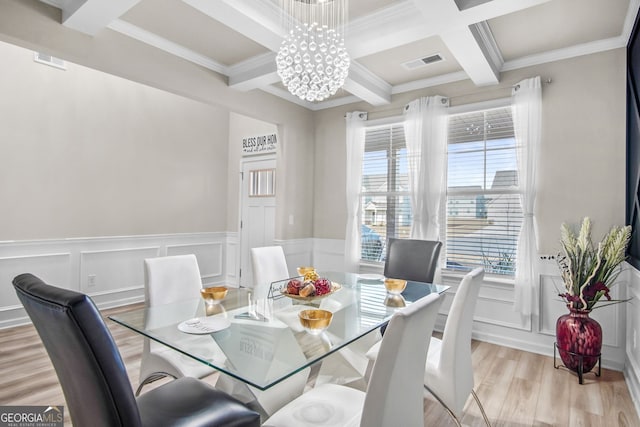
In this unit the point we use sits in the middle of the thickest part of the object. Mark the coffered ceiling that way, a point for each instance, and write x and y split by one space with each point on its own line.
386 39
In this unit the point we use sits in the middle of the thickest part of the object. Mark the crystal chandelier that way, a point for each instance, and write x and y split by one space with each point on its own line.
312 61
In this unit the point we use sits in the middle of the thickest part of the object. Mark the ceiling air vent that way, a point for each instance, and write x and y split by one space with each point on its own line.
422 62
52 61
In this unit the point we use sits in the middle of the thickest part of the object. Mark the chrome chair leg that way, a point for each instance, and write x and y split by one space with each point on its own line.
484 415
451 414
153 377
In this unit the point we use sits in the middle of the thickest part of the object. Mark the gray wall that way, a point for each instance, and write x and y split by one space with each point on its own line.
85 153
109 156
582 164
582 169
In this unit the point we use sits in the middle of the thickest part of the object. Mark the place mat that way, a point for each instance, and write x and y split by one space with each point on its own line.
204 325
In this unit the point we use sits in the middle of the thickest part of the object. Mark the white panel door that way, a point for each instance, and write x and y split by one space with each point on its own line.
257 211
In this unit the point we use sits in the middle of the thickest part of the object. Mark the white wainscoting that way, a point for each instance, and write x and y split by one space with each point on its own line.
497 322
632 361
109 269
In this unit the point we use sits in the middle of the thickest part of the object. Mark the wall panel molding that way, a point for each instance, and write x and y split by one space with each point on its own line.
109 269
119 276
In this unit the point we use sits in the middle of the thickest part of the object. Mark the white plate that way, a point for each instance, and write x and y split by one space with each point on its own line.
204 325
376 277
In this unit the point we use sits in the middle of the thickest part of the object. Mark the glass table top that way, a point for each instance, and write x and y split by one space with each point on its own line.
258 338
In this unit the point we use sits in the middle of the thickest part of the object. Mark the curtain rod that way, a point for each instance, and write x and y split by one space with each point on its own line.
544 81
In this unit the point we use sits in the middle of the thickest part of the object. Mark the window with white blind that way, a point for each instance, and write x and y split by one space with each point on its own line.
483 213
385 204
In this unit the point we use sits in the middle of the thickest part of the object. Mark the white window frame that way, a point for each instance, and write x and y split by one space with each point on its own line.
372 124
465 108
447 272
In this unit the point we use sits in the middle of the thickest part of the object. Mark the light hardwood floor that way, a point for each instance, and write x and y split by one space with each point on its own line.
517 388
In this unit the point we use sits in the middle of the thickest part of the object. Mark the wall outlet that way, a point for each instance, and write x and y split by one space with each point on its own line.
91 281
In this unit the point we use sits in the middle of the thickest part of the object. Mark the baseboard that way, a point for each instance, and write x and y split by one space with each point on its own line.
535 343
631 371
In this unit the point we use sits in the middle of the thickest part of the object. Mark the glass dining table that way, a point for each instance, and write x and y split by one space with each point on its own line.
259 339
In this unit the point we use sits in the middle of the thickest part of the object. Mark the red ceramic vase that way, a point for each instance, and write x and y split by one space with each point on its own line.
578 335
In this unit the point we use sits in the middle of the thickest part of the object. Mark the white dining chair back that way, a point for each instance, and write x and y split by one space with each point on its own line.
269 264
394 396
168 280
171 279
449 371
408 259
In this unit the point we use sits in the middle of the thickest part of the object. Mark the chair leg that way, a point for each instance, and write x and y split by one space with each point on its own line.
451 414
484 415
153 377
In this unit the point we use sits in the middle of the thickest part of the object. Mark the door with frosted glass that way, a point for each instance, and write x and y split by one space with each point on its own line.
257 211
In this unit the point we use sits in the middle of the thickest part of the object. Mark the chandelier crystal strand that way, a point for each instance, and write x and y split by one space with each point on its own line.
312 61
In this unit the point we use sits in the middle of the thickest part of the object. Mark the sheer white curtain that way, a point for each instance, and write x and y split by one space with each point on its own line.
355 151
527 112
425 130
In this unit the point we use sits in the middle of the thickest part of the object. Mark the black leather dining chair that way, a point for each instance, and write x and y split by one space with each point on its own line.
412 259
94 378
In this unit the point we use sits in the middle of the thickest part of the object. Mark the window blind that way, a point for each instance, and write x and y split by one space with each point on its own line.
483 195
385 203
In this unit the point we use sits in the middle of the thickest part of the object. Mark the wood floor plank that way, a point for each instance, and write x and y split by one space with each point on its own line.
553 388
517 389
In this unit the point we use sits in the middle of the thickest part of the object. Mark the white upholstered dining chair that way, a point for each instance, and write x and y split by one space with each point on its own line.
449 371
394 396
269 265
408 259
169 279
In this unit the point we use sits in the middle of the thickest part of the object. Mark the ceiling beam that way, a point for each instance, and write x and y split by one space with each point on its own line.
258 21
91 16
263 26
254 73
496 8
471 43
466 45
367 86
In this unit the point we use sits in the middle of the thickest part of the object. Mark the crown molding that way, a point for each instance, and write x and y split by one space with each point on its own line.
488 44
254 73
161 43
287 96
430 82
335 102
565 53
254 62
400 11
630 19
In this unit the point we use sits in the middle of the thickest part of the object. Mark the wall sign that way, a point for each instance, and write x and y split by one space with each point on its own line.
259 144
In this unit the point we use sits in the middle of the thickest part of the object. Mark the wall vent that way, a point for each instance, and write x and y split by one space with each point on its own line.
423 62
52 61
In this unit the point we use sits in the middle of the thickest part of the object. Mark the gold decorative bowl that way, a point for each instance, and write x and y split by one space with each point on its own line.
394 300
395 286
315 321
214 294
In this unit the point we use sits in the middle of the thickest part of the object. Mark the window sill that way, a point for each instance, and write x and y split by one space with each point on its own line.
488 278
